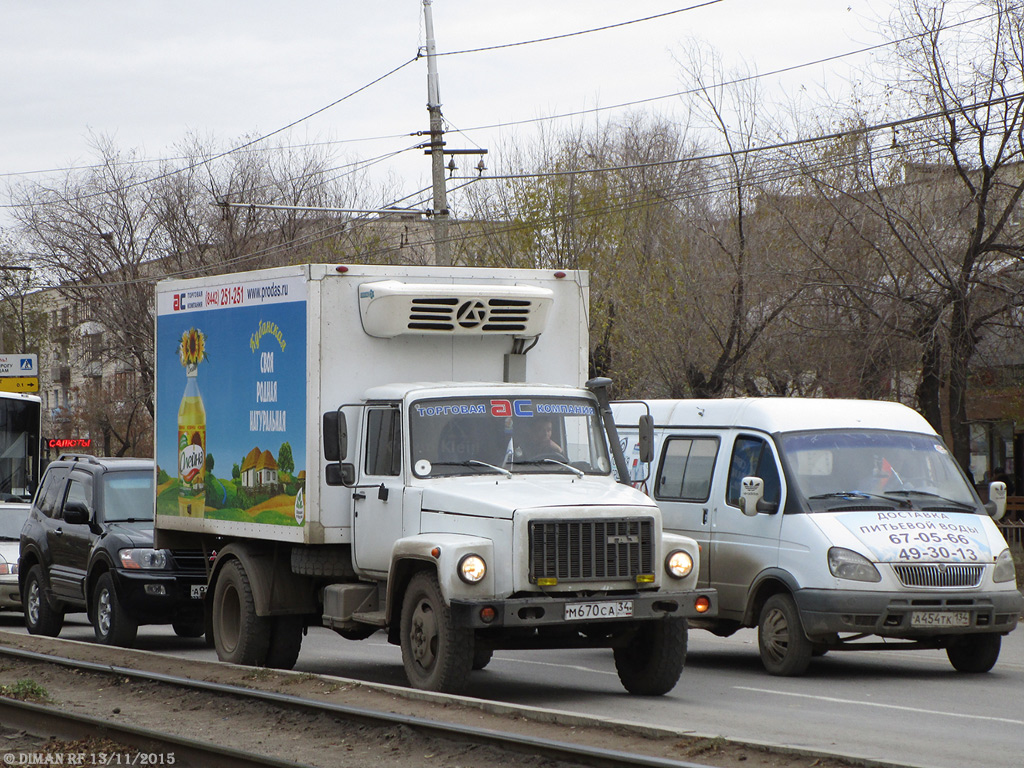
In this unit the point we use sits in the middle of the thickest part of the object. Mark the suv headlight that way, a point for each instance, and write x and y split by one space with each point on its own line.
1004 570
847 564
144 559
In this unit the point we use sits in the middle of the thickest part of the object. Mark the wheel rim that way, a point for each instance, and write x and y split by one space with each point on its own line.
33 602
103 612
423 634
775 635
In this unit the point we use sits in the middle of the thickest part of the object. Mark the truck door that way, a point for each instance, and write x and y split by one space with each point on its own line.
377 499
743 546
682 488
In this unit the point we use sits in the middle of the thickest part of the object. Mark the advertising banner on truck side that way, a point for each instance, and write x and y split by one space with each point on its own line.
231 427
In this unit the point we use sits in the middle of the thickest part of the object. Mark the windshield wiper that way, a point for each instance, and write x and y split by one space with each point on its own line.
853 495
910 492
472 463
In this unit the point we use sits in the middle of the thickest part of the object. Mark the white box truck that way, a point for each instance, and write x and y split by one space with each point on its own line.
408 450
830 525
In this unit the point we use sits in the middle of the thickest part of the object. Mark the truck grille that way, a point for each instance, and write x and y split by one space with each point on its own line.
591 550
939 575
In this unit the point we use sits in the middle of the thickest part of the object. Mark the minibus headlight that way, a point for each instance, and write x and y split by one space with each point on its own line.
472 569
847 564
679 564
1004 570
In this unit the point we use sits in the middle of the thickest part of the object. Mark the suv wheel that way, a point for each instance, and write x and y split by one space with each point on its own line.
113 626
40 617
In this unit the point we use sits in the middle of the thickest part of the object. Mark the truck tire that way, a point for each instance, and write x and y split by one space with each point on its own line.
437 656
785 650
974 653
651 663
285 642
333 561
110 622
40 616
481 657
240 636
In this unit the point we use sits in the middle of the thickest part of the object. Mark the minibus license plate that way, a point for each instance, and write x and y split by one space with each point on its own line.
940 619
198 591
618 609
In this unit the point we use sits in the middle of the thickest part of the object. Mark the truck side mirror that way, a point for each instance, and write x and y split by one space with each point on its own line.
340 474
996 506
335 429
646 438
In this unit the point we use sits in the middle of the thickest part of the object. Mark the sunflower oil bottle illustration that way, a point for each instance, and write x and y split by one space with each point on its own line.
192 429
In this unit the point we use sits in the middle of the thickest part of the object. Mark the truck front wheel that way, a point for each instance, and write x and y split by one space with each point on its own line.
240 636
785 649
437 656
651 663
974 653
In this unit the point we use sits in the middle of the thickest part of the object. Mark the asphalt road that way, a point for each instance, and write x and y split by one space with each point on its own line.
904 707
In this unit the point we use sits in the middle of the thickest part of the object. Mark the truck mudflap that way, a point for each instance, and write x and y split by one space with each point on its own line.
910 615
541 610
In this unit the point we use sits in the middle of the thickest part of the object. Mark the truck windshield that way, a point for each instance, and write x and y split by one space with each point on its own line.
904 468
488 435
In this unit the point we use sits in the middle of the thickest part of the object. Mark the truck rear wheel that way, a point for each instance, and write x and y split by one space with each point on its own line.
785 649
240 636
974 653
437 656
651 663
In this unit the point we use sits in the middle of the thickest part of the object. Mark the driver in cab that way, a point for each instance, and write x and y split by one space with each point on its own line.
533 439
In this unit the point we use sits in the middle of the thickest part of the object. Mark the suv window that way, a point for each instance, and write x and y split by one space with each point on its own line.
78 491
50 494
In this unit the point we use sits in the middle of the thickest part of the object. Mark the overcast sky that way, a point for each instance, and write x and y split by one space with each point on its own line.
147 73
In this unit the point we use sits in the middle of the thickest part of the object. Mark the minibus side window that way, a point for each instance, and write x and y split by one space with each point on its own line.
687 466
752 456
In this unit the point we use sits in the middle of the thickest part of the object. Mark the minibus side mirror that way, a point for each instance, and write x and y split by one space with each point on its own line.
996 506
645 438
752 497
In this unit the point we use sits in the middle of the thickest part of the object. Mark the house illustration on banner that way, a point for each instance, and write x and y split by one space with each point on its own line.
259 469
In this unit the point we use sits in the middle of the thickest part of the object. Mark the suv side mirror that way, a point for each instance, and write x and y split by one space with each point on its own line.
996 506
76 513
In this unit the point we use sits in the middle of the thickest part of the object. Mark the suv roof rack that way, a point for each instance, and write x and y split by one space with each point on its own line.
78 457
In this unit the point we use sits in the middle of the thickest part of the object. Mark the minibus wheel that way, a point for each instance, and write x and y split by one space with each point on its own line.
785 649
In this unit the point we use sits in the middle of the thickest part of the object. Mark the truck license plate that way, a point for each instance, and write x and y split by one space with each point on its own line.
198 591
940 619
609 610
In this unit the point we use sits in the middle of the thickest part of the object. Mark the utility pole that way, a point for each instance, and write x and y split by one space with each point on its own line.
442 255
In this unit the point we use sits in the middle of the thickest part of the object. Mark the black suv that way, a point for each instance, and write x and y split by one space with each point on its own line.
88 546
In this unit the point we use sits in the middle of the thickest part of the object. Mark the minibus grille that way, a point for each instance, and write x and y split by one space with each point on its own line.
939 575
591 550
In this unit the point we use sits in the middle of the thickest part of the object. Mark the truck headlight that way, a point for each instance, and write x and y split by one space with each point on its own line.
472 568
143 559
678 564
1004 570
847 564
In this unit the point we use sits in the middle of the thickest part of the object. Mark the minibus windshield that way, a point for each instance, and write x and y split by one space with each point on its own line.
902 467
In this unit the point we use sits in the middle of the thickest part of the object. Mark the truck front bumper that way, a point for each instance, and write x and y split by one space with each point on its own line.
889 614
546 610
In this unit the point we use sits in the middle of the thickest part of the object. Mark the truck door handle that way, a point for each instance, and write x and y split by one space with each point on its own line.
705 520
357 496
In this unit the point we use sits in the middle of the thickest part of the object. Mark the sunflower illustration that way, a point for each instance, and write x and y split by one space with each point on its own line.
192 349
